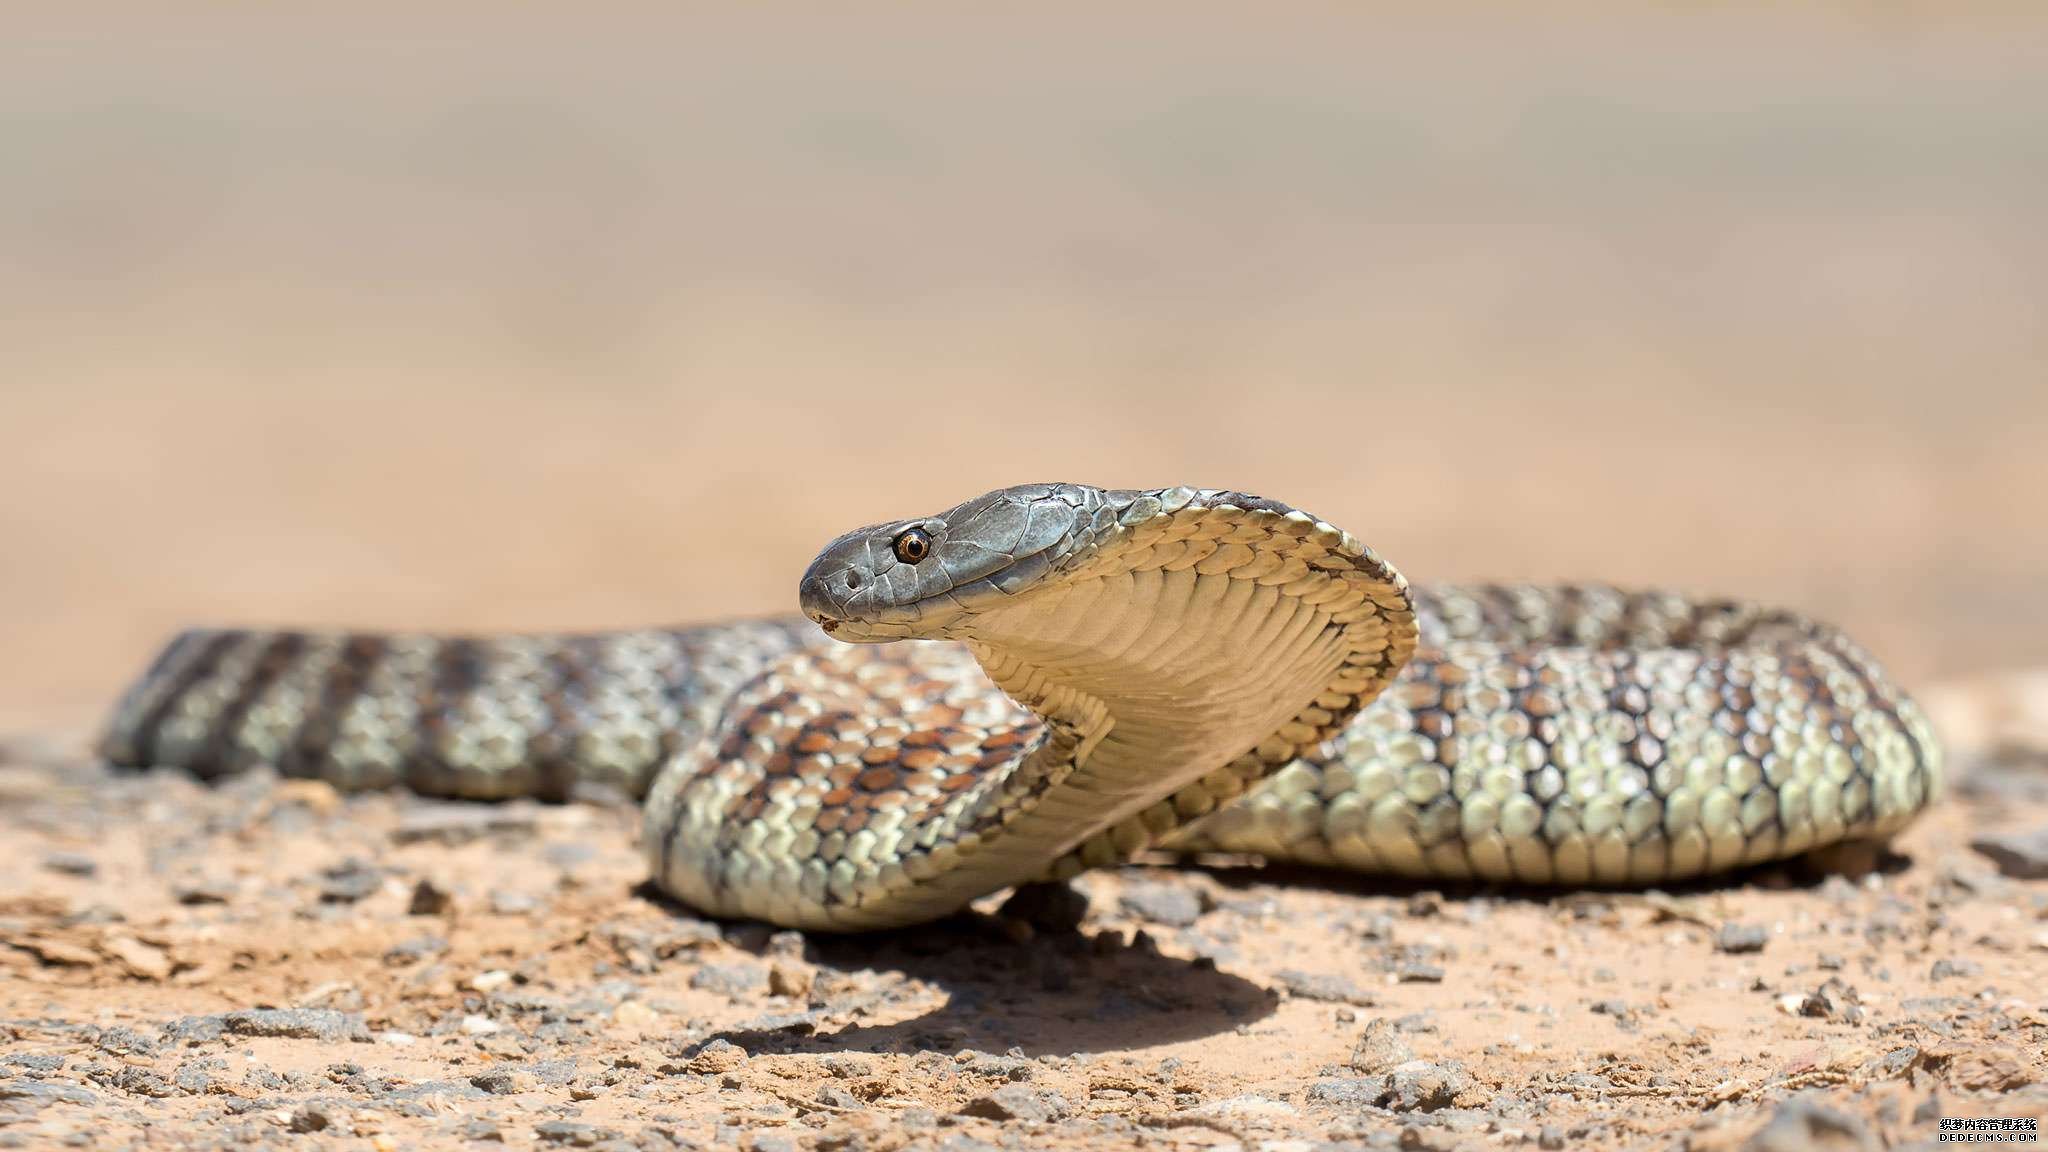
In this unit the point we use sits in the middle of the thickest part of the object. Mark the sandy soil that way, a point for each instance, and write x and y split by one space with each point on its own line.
268 963
467 317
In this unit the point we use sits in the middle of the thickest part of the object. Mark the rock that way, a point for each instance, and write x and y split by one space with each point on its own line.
1048 907
71 864
146 961
314 1117
1377 929
717 1057
1420 1086
1170 905
1833 1000
490 981
350 881
290 1023
1243 1108
1324 987
482 1131
1419 972
1550 1138
1017 1102
205 890
40 1092
568 857
2020 855
1989 1070
316 796
1415 1086
430 899
1893 1064
1381 1048
1945 968
416 949
1737 939
1016 1069
505 1081
790 979
836 1098
137 1081
122 1041
194 1077
60 953
769 1141
1348 1091
508 903
1800 1125
571 1134
736 980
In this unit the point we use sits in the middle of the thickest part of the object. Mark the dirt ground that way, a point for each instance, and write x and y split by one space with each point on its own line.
467 317
266 963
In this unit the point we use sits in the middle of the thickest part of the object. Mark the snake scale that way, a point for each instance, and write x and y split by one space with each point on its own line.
1102 672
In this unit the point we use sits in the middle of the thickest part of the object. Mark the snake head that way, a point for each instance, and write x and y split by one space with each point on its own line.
927 576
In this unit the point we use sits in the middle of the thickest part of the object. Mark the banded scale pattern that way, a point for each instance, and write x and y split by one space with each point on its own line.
475 718
1104 672
1589 735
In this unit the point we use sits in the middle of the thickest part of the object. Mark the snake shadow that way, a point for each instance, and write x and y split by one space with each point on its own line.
1049 993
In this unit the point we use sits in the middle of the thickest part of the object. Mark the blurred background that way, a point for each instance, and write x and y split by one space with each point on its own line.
466 317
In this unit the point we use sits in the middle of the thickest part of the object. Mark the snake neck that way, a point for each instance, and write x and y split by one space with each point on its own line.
1193 642
1196 650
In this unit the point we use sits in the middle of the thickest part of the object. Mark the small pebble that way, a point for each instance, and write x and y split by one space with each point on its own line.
505 1081
1948 967
1737 939
71 864
430 899
507 903
1017 1102
1169 905
719 1056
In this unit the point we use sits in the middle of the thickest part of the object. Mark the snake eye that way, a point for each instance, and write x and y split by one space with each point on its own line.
912 545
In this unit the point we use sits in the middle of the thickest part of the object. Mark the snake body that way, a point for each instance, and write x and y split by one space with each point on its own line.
1103 672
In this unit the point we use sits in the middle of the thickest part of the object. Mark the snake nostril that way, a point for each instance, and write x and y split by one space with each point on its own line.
852 581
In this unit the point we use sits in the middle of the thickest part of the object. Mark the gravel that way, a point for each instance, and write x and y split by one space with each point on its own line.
1802 1125
1168 905
1325 987
572 1134
1380 1048
1017 1102
289 1023
71 864
505 1081
349 882
1738 939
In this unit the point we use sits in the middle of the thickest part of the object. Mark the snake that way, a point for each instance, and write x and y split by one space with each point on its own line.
1051 678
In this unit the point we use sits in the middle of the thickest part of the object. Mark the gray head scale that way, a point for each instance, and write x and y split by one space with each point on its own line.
924 576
